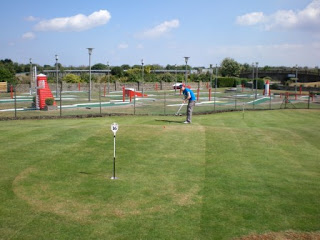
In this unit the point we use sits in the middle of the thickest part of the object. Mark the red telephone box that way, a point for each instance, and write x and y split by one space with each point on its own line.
43 91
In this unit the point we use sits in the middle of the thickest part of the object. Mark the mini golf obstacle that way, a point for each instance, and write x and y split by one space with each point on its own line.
43 92
131 93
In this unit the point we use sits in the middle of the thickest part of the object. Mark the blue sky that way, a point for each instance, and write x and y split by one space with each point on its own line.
273 32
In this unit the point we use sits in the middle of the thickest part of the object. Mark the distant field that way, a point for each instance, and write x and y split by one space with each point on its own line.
225 176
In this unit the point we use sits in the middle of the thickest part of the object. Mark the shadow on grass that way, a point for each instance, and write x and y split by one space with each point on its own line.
168 121
92 173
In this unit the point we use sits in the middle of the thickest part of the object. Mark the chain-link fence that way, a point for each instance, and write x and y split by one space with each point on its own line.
149 99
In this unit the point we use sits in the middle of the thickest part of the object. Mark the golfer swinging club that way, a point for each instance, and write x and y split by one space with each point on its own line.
190 97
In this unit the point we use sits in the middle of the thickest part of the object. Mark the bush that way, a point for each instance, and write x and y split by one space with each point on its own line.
243 81
49 101
86 78
274 86
260 84
71 78
167 77
226 82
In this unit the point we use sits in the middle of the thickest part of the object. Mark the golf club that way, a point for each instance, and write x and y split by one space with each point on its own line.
178 112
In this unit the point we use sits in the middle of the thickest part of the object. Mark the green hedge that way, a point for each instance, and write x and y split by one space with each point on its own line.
231 81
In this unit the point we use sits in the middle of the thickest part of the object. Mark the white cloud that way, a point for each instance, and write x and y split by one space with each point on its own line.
160 29
77 23
31 19
28 36
251 18
307 19
123 46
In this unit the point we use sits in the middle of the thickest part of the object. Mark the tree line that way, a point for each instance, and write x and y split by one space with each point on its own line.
126 73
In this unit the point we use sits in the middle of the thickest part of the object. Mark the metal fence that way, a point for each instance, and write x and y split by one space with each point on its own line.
20 104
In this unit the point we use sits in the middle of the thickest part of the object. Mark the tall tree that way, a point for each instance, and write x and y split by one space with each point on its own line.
99 66
229 67
117 71
5 74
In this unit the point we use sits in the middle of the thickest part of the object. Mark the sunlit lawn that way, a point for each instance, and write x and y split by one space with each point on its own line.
225 176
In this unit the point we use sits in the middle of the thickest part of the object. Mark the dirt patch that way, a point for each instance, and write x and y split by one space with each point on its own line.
289 235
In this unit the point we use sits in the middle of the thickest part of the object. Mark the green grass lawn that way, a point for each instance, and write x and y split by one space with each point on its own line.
222 177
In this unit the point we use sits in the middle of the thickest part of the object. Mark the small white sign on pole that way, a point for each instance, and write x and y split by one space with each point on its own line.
114 129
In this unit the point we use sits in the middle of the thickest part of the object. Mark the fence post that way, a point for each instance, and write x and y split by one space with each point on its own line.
134 102
164 96
60 98
209 94
15 102
300 89
198 93
253 103
270 102
123 94
11 91
100 97
235 101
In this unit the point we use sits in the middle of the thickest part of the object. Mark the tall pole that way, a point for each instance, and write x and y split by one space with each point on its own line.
256 95
108 78
186 77
31 76
175 85
56 76
211 72
295 88
90 52
252 76
216 79
60 98
142 72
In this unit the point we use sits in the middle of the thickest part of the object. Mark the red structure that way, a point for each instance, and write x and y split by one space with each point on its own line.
130 92
266 91
43 91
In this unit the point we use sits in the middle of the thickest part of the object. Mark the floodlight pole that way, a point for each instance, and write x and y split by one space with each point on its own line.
108 77
252 76
56 76
216 83
211 72
31 77
142 74
175 85
90 52
295 88
186 77
256 95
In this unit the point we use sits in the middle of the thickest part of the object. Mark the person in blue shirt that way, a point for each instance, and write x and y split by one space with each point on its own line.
191 98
